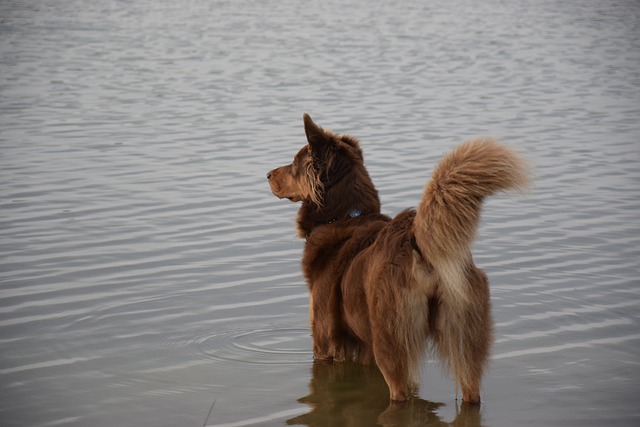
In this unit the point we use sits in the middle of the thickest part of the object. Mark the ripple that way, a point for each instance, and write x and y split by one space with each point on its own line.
268 346
566 346
47 364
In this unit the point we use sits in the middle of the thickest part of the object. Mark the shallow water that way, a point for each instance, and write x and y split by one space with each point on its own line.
148 276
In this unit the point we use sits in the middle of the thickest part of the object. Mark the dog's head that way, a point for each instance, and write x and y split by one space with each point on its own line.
321 164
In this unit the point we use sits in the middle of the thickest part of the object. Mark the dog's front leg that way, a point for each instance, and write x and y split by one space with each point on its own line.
320 329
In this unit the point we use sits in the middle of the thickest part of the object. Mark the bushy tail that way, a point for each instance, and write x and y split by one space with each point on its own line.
448 215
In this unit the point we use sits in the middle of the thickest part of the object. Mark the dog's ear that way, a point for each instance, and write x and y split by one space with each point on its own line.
315 134
317 137
319 141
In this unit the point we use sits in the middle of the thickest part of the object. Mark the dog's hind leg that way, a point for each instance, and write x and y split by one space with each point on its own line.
390 349
391 358
463 334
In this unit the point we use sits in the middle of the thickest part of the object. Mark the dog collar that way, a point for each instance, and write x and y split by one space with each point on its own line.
352 214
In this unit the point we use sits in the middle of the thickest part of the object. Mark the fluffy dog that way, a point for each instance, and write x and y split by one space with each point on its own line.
381 289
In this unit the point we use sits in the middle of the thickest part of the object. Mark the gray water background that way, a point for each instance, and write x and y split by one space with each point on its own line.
149 278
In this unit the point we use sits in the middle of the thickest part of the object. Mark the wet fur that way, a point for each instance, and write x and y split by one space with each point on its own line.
381 288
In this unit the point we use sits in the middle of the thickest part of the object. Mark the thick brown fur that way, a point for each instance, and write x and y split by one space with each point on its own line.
383 289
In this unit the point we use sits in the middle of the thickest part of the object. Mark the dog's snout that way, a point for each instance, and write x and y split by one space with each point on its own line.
269 174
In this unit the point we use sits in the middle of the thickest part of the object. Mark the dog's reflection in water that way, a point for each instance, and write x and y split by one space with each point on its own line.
351 394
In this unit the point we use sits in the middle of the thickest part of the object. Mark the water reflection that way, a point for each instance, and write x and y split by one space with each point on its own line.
349 394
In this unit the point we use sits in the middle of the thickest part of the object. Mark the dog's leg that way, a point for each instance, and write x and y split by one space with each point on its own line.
464 333
319 330
392 361
466 355
389 348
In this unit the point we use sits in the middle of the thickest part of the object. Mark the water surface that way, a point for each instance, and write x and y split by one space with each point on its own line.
148 276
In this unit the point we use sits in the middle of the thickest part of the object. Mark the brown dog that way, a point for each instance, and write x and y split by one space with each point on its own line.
381 287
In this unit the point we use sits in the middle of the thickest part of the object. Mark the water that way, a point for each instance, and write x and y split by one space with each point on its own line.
148 276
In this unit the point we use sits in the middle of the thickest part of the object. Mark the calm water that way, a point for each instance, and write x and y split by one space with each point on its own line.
149 278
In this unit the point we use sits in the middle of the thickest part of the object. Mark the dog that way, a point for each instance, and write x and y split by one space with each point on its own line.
383 290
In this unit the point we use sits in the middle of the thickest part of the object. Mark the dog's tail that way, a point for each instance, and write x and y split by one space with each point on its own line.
448 215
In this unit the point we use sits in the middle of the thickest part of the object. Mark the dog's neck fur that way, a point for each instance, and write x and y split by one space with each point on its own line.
354 191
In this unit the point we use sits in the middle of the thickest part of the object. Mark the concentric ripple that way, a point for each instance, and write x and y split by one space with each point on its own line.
273 346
